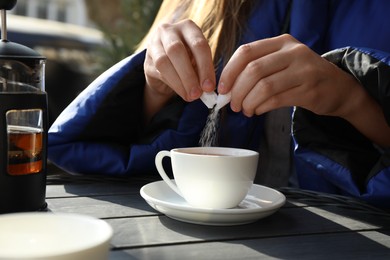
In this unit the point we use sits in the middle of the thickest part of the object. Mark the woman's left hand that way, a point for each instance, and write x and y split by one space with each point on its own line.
280 72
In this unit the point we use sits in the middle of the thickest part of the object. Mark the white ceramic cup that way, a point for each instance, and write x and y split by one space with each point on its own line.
210 177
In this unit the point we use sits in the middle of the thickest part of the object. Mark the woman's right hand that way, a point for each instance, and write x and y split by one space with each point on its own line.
178 60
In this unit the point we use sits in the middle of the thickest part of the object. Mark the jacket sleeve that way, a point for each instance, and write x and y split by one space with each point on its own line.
102 130
330 154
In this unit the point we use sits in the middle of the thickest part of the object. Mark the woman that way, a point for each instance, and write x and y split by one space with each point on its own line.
150 101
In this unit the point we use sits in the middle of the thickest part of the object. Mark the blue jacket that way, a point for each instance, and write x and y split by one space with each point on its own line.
102 131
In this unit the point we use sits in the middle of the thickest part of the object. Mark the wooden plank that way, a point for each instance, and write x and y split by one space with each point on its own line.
117 206
90 189
161 230
349 245
66 185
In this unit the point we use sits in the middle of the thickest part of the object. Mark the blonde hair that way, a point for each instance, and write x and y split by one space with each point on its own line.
221 21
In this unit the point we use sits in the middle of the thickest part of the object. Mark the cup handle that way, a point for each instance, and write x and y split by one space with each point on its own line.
160 169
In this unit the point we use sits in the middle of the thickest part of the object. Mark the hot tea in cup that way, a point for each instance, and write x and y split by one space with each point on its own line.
210 177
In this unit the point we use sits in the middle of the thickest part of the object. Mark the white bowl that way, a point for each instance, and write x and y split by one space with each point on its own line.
53 236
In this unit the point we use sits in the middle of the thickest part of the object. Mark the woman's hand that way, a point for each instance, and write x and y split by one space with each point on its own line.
178 61
281 72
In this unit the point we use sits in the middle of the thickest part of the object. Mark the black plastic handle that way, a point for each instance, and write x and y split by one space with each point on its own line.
7 4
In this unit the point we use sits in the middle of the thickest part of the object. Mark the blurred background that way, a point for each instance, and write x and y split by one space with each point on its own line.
79 38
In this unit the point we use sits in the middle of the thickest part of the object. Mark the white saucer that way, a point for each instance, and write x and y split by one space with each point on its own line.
260 202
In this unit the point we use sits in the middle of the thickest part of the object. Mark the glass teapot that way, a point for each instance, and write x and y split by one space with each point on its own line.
23 124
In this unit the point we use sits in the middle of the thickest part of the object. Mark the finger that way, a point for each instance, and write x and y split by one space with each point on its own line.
282 99
178 55
201 52
154 79
254 73
159 66
270 87
241 57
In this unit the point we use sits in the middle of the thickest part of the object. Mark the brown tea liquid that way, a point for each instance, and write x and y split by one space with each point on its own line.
24 150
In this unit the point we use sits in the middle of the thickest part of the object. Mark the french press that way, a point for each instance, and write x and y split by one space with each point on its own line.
23 124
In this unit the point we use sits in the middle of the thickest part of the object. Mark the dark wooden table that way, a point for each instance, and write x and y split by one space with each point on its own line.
309 226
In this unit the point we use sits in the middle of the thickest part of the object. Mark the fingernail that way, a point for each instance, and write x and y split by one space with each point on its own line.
194 93
221 87
207 85
235 108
